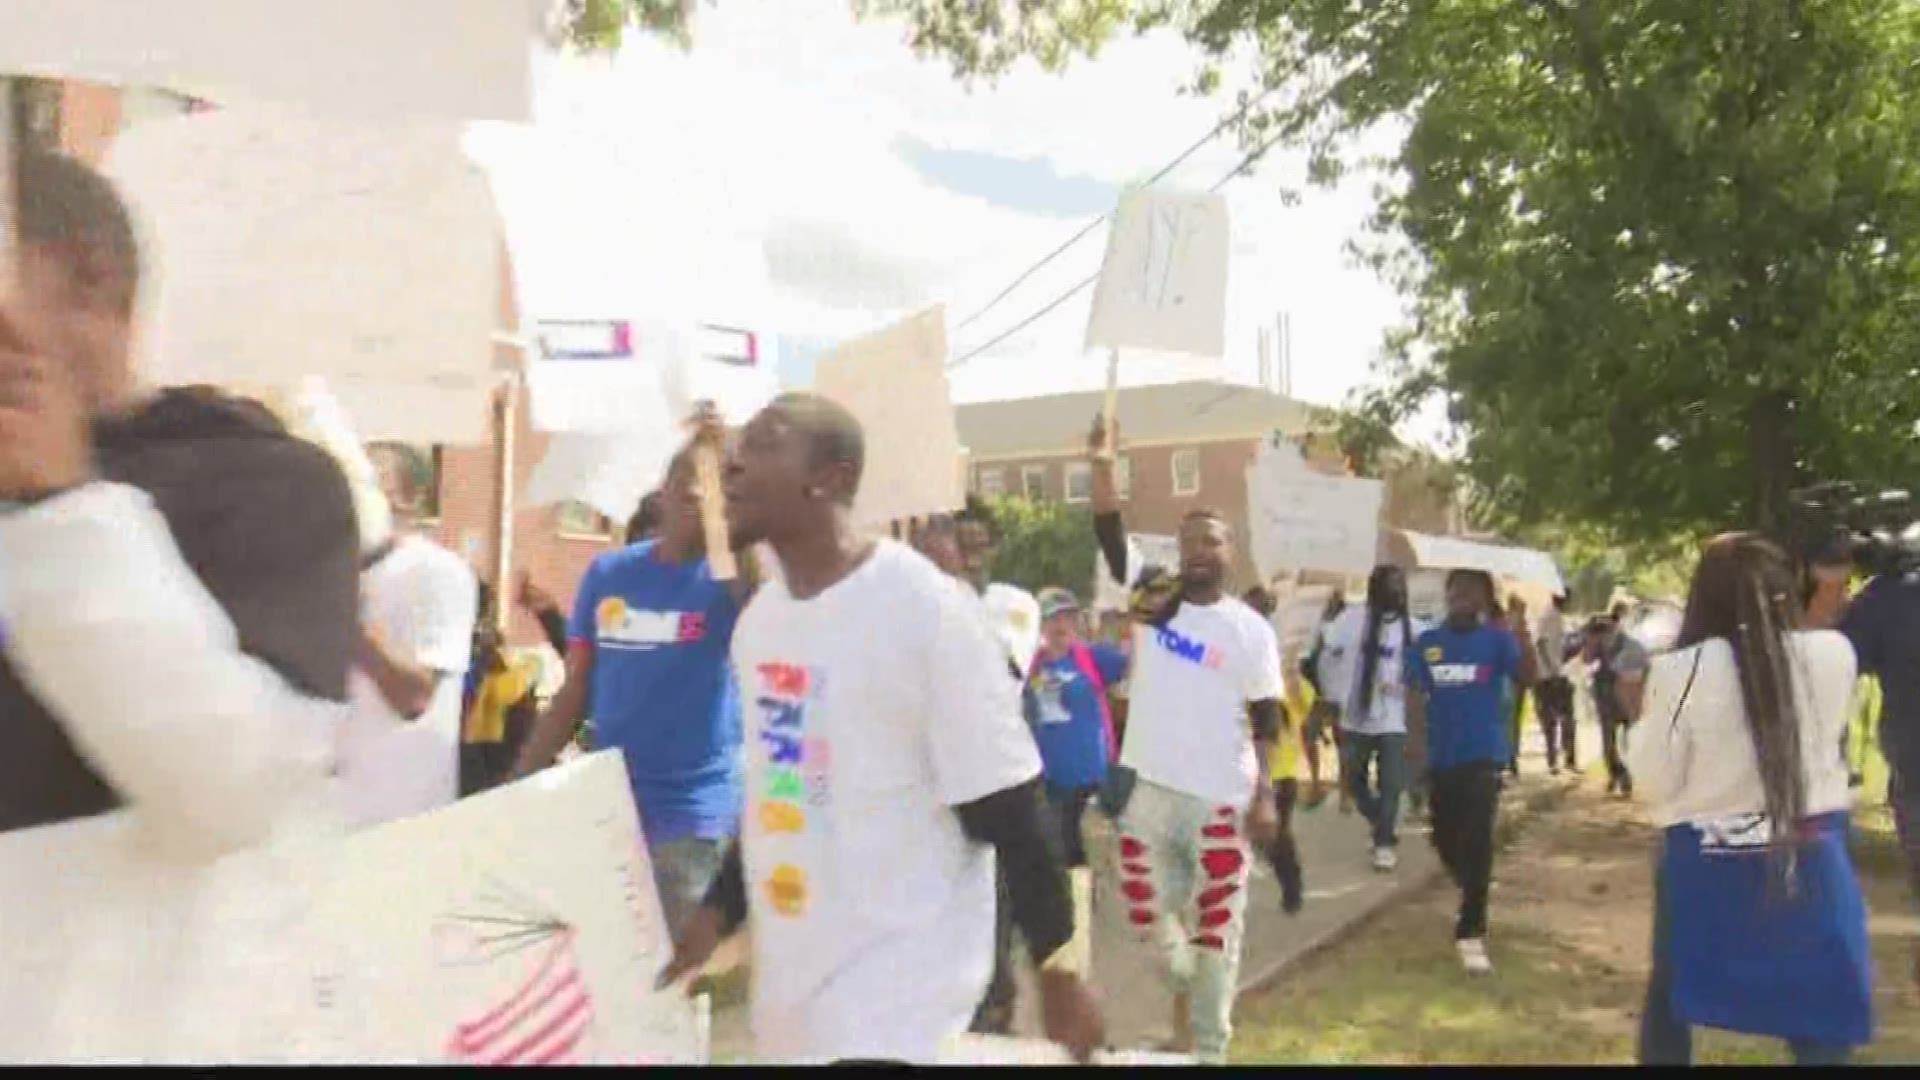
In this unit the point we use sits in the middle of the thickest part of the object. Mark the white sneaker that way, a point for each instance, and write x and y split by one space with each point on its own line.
1385 859
1473 956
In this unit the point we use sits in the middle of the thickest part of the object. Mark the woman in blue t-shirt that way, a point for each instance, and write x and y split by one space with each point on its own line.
1460 672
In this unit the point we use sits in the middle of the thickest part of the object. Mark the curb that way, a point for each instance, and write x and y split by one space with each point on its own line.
1547 797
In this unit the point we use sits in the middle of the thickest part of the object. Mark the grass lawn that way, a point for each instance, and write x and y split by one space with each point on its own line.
1571 916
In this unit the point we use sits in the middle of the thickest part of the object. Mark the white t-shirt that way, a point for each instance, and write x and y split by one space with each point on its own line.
1691 754
1340 669
1016 619
870 712
422 601
1187 725
1550 641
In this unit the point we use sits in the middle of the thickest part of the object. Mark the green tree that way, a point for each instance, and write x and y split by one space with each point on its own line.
1661 253
601 25
1043 545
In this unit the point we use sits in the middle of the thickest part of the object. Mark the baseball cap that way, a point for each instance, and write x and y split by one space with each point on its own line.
1057 602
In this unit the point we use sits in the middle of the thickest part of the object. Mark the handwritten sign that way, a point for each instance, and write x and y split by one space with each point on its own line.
363 59
1304 520
1163 285
468 936
895 383
283 246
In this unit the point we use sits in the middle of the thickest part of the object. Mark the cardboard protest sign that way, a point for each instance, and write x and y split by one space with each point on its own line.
895 382
364 59
1305 520
1163 284
281 246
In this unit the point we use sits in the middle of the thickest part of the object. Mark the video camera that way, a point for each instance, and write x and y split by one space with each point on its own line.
1834 522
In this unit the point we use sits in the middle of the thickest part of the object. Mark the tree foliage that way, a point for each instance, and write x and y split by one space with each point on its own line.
1662 254
601 25
1043 545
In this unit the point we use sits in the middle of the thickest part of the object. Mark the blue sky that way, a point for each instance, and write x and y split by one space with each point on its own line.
809 176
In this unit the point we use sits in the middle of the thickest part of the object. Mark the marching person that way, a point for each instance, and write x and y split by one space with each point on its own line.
1619 677
178 607
1553 695
1284 853
1363 663
647 651
1460 672
400 745
1323 716
1759 925
1206 712
888 770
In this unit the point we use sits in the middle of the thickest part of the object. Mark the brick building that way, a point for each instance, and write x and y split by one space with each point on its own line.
1185 445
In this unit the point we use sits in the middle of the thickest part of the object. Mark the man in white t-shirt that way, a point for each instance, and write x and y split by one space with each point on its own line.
400 743
962 546
1203 664
887 769
1363 658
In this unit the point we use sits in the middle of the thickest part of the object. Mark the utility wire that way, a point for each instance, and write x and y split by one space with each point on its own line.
1086 230
1053 305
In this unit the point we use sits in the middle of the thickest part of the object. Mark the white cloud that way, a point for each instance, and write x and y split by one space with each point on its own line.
781 125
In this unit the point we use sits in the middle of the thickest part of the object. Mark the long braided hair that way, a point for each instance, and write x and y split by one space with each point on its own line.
1382 600
1744 592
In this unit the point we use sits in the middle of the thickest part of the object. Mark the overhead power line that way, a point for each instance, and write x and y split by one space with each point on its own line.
1053 305
1086 230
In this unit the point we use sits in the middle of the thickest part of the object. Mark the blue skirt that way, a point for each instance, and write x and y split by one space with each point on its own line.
1750 956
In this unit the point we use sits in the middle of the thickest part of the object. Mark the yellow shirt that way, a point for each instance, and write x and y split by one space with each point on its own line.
487 720
1285 764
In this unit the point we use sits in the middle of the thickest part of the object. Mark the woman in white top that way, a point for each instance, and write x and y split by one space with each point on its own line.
1758 926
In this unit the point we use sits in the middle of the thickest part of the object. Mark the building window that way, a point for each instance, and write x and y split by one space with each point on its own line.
990 481
578 521
1186 472
1079 482
1033 482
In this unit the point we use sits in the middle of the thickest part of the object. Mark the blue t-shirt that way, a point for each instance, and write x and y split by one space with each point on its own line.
1065 710
662 690
1464 674
1883 623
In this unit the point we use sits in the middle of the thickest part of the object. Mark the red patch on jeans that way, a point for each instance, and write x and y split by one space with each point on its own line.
1226 813
1131 848
1140 892
1135 869
1219 832
1140 917
1222 862
1211 941
1215 919
1218 894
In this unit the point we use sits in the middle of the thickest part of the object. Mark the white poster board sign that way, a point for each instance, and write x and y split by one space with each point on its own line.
470 936
467 935
282 246
1163 285
1143 550
1305 520
1298 616
895 383
366 59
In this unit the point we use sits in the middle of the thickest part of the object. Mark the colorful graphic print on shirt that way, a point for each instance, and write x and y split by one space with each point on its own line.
617 626
1211 657
795 776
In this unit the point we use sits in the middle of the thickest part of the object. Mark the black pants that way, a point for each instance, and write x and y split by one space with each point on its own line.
1464 801
1285 853
1554 702
1613 720
1065 808
995 1014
